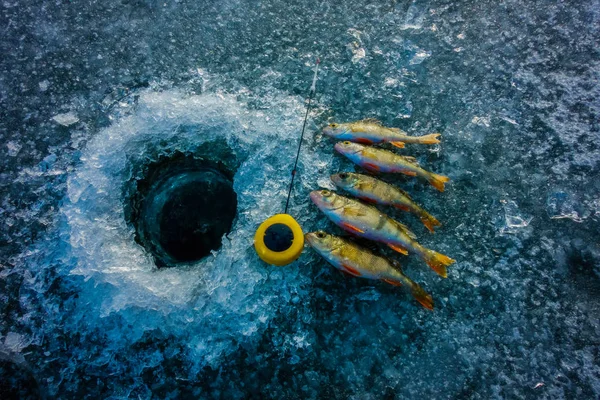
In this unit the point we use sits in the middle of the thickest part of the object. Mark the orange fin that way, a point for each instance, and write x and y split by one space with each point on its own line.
363 141
422 296
351 270
402 207
432 138
399 249
438 262
399 145
351 228
429 221
438 181
391 282
368 200
408 172
373 167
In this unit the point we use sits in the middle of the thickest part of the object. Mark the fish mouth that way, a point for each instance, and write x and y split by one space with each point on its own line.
345 149
335 178
328 131
315 196
339 147
309 237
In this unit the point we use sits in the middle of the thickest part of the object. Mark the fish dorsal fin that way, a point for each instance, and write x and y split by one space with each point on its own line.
404 193
396 265
371 121
365 244
410 159
405 229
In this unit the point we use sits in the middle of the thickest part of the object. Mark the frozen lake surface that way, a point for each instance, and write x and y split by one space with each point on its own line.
93 94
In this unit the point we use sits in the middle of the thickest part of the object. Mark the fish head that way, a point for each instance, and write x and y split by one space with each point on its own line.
345 180
321 241
348 148
326 199
336 130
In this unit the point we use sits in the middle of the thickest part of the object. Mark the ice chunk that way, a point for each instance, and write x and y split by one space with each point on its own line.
513 219
13 148
481 121
66 119
16 342
415 15
561 205
44 85
419 57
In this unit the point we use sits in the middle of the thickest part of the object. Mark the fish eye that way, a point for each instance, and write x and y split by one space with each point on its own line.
320 234
343 175
333 125
346 142
326 193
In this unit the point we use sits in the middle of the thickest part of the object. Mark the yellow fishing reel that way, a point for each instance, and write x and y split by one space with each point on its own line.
279 240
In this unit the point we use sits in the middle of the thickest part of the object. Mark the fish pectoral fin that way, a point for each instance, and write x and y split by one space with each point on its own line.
353 211
352 228
350 270
368 200
373 167
363 141
391 282
405 229
399 249
399 145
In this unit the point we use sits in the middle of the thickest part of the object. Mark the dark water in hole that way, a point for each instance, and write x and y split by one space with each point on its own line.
89 92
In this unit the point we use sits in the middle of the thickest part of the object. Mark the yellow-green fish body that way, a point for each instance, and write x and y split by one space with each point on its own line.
379 160
370 131
373 190
370 223
360 262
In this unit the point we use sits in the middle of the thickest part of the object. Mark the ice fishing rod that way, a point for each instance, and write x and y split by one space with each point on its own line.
279 240
313 89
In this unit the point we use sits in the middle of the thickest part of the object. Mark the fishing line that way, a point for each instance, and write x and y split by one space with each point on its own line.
313 89
279 240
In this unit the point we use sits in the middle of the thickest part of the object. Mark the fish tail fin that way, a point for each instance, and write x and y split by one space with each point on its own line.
432 138
438 181
437 262
429 221
422 296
